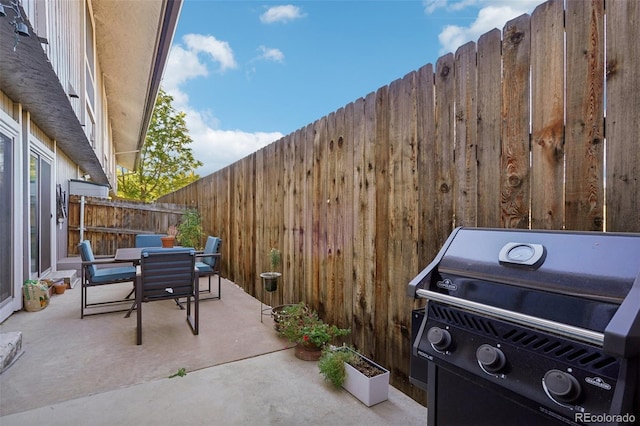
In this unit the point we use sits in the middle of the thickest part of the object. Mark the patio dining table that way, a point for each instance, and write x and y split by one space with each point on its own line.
131 254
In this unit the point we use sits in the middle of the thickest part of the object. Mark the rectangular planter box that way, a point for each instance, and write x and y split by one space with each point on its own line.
369 390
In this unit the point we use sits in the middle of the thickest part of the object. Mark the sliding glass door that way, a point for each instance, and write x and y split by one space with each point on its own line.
6 226
40 213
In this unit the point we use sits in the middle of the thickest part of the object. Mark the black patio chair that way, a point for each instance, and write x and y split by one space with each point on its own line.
208 264
92 276
167 274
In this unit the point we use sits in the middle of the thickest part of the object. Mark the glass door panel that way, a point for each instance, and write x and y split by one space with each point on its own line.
40 214
6 228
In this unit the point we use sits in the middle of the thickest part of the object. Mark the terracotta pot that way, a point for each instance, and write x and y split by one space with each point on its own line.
60 288
167 242
308 352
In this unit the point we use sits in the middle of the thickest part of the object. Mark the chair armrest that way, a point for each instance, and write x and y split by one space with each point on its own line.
99 261
218 255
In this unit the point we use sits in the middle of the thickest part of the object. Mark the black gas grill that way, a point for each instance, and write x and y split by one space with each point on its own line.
529 327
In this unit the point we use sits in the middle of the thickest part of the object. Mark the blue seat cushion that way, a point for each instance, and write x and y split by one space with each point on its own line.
212 246
204 268
121 273
149 240
86 254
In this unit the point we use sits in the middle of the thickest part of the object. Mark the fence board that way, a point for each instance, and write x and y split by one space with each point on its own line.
288 251
363 220
321 171
623 106
489 77
341 227
426 191
383 260
547 64
466 181
348 207
297 270
515 183
310 199
444 147
584 140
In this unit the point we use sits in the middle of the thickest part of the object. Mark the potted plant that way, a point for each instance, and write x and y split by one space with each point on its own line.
170 239
361 377
281 313
302 326
190 229
270 279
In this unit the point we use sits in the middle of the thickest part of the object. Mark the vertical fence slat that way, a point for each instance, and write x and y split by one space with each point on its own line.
547 140
623 125
309 217
515 183
383 260
584 135
466 122
297 272
489 106
320 243
444 145
288 251
348 207
363 220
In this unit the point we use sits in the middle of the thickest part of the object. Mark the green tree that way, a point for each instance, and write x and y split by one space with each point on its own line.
166 161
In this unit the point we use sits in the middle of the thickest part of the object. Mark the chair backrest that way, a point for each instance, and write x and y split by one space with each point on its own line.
167 273
212 246
86 254
149 240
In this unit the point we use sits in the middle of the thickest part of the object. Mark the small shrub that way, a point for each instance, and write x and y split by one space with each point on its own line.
332 362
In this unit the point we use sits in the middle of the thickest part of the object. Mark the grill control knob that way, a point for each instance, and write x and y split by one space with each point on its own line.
439 338
562 387
491 358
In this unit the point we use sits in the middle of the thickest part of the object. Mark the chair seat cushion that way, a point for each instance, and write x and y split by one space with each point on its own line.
149 240
122 273
203 268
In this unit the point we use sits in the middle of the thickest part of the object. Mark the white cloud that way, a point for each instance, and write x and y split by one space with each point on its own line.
494 14
431 6
219 51
281 14
271 54
218 148
215 147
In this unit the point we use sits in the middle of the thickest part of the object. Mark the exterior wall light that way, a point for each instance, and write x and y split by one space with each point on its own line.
19 26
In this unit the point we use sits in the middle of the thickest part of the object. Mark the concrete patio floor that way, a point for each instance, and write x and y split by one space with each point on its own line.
90 371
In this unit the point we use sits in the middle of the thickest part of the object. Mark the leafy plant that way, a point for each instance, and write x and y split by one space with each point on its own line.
332 362
181 373
300 324
274 258
166 161
190 229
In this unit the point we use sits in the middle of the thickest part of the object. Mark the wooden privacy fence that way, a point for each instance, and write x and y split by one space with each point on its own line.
506 132
110 224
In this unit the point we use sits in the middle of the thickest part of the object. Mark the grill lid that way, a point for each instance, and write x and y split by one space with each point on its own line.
578 278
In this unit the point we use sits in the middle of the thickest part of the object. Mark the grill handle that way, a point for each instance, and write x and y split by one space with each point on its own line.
623 331
576 333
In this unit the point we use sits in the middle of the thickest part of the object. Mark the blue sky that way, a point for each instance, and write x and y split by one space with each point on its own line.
247 73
